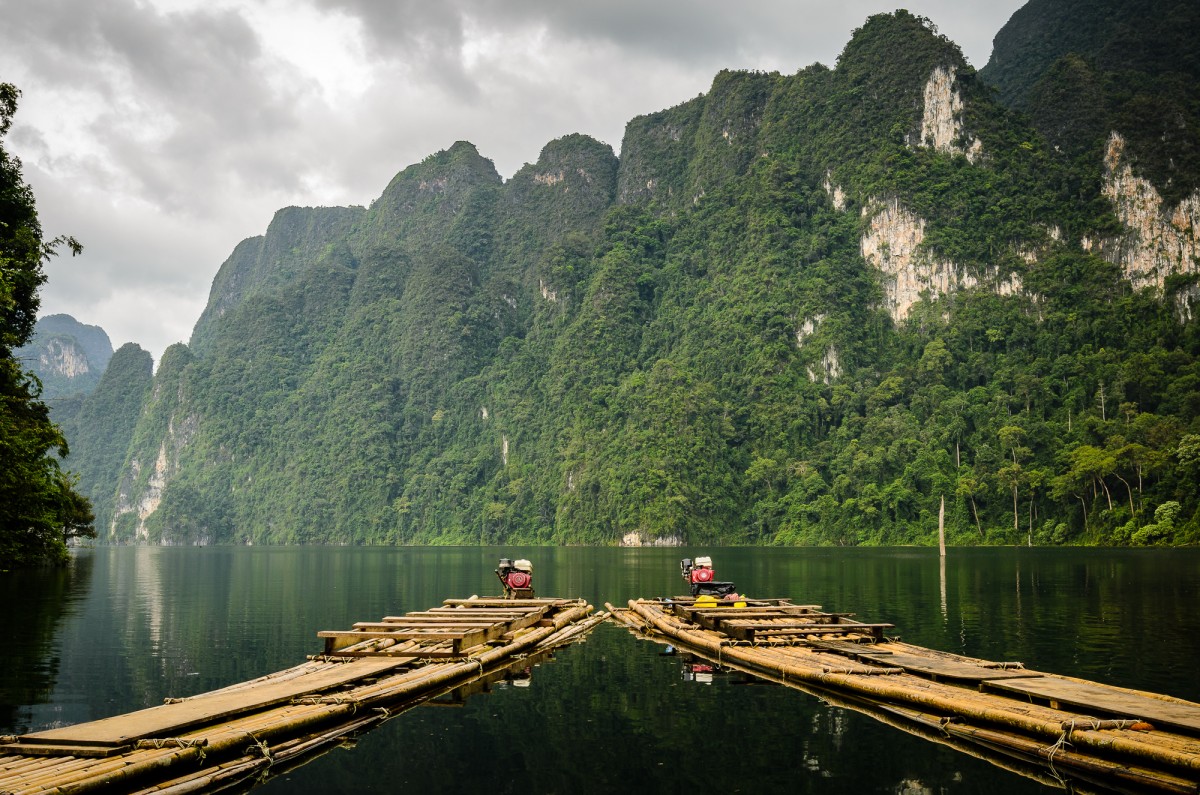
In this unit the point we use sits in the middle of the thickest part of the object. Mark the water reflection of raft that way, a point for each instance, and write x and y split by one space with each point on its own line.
367 674
1056 728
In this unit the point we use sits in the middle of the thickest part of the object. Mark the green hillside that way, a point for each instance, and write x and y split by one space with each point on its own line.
797 310
1084 68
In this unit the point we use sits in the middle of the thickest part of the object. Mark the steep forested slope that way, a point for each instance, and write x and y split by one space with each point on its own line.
1085 68
101 429
799 309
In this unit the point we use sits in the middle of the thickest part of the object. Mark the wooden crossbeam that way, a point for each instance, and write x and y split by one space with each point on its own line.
497 615
337 640
752 632
773 602
722 615
463 629
498 602
691 612
714 619
391 626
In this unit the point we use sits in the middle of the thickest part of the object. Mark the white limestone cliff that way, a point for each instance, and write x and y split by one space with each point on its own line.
1158 241
63 358
143 498
892 244
941 122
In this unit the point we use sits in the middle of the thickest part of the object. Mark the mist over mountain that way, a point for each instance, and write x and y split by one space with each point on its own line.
798 309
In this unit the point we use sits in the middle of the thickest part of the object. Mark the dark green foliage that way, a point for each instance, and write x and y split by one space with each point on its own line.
39 507
689 345
101 431
1083 69
295 238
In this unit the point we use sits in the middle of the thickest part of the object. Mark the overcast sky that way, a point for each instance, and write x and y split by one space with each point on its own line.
160 133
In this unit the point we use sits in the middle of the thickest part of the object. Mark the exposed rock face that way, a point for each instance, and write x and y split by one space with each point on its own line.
830 366
142 497
941 124
1157 242
68 357
636 539
828 369
808 328
836 194
892 244
63 357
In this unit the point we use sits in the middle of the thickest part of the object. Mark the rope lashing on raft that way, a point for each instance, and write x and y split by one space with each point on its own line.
946 721
157 744
1089 724
170 700
172 742
259 746
862 671
326 700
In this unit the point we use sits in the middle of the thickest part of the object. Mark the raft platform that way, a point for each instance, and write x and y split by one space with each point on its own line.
1056 729
365 675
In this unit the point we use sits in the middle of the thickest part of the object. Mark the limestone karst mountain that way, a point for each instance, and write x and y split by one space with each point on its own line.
798 309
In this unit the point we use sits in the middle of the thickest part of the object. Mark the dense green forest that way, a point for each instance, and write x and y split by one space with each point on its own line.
40 508
798 309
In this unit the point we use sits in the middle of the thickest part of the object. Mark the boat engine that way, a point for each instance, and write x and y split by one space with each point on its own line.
516 577
701 578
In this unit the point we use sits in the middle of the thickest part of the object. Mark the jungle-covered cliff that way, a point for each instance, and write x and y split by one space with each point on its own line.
798 309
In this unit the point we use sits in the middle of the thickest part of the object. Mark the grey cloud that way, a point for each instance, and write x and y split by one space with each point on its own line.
181 132
205 102
426 37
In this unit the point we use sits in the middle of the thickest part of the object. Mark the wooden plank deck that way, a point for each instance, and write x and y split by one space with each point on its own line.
438 633
776 621
1101 700
171 720
939 667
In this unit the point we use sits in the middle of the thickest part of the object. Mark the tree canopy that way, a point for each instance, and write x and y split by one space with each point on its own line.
39 506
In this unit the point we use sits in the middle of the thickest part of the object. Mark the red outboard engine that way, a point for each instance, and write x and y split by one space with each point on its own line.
701 578
517 578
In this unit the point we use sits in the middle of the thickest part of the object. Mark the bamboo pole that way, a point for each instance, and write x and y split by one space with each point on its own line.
942 528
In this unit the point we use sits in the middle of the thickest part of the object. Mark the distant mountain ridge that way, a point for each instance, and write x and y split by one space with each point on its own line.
68 356
797 310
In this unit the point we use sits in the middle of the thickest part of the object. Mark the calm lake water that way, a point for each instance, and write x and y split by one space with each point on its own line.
124 628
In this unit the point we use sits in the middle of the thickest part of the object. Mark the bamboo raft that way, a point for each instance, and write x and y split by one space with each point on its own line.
1056 729
366 675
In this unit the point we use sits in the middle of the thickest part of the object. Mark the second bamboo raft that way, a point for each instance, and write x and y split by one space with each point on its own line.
1068 729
